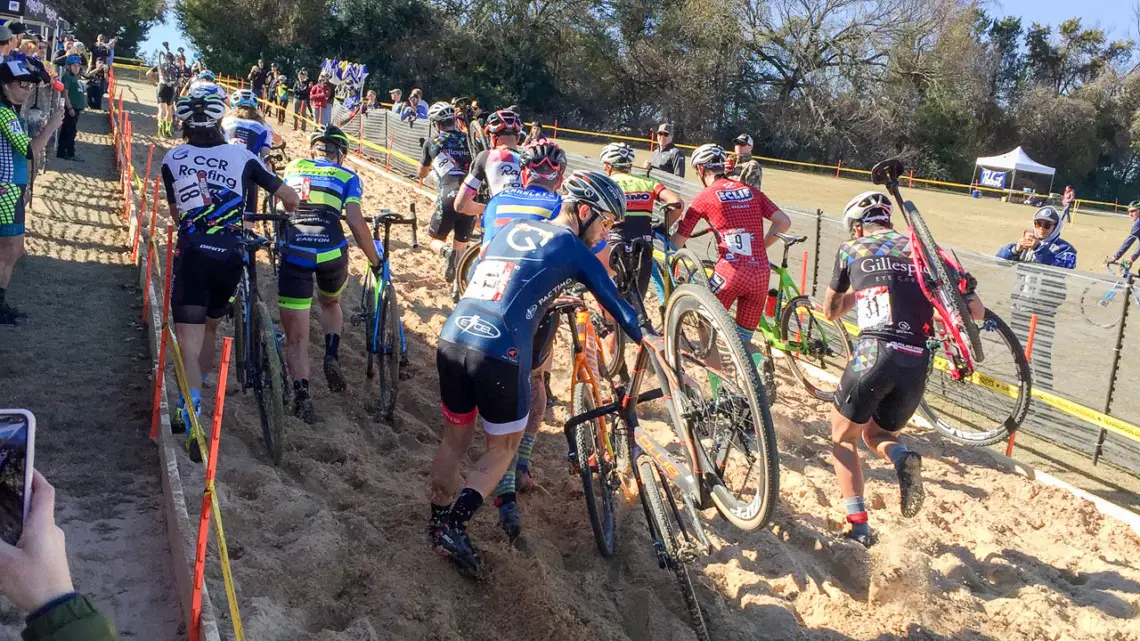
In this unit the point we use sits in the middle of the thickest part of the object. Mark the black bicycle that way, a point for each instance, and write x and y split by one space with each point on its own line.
260 360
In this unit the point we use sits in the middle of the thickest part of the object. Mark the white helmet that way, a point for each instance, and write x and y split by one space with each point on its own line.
618 154
867 207
709 156
441 112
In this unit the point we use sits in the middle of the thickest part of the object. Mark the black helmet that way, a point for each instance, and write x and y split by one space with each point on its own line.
597 190
544 159
331 135
503 123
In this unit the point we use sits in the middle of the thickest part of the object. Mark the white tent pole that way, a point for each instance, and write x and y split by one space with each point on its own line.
1013 183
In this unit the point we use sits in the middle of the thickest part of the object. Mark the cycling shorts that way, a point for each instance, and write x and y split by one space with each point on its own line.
884 381
165 94
445 219
12 210
295 277
745 285
544 339
207 270
471 381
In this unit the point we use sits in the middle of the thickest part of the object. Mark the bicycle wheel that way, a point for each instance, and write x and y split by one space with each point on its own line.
1099 305
609 362
948 292
241 326
819 348
270 390
597 472
687 267
724 400
388 352
668 539
368 316
465 269
988 406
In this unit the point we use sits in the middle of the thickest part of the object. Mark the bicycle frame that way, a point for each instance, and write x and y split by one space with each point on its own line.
586 347
786 291
385 219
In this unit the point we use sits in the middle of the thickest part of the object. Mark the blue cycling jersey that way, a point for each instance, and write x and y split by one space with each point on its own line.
518 203
521 272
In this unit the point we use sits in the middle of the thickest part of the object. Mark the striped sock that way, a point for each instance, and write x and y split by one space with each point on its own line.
857 515
507 483
523 456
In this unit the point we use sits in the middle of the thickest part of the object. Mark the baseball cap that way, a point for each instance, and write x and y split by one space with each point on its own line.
395 90
5 33
74 60
17 27
743 139
665 128
1047 213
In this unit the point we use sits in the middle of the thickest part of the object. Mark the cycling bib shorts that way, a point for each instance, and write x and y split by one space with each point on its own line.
12 208
470 382
206 271
446 220
298 267
884 381
747 287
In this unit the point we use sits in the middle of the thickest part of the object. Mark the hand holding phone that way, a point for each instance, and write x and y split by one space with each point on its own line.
34 572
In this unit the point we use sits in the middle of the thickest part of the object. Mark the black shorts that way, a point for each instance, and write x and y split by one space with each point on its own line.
884 381
544 339
471 381
206 272
165 94
295 277
446 219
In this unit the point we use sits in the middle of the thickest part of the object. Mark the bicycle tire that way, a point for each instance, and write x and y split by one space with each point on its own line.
793 311
686 267
1005 426
465 268
270 390
368 316
758 511
596 487
663 530
609 364
948 291
388 351
1097 301
240 326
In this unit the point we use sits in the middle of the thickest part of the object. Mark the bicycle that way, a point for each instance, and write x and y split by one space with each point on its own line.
277 159
949 403
380 314
1098 297
257 344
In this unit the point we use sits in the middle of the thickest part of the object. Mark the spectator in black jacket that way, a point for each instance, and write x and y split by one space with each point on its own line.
301 99
667 157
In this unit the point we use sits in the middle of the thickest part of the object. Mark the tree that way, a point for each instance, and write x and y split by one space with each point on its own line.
126 20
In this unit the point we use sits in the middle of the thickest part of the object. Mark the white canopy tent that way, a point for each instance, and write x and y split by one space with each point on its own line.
1015 161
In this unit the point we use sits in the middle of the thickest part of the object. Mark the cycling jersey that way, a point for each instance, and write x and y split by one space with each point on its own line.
15 153
498 168
255 136
204 87
449 159
523 268
518 203
210 185
889 301
641 193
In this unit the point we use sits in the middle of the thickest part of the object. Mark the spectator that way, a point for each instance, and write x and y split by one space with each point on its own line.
34 576
667 157
100 51
271 81
416 107
96 85
535 135
74 99
7 42
1067 200
281 92
319 96
301 98
257 77
1040 290
745 168
396 96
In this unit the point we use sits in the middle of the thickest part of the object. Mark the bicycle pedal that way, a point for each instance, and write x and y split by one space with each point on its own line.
356 319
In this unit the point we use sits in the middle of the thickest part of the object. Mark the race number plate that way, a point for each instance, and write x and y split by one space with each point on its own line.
188 193
739 241
873 307
490 280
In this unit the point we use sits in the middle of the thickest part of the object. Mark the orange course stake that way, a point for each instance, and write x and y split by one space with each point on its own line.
838 166
556 129
208 495
160 370
911 179
803 274
1028 356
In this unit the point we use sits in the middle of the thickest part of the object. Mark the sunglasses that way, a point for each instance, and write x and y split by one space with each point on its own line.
1048 224
26 85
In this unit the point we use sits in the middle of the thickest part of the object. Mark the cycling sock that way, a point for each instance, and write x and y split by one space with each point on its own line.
301 385
439 514
505 498
857 515
332 343
507 483
3 295
525 448
469 500
897 453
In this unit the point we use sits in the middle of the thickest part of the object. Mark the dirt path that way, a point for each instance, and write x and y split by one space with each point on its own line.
331 545
80 364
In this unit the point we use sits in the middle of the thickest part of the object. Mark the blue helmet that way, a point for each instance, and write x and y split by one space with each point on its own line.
207 75
243 98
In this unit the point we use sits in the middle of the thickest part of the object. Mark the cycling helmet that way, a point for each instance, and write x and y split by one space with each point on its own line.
867 207
618 154
441 112
709 156
331 135
544 159
243 98
1135 204
207 75
200 111
598 191
503 123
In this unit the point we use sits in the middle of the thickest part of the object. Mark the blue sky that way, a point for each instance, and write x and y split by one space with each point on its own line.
168 31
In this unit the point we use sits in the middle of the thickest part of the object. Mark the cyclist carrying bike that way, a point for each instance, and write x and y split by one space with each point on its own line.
168 73
245 124
488 345
314 245
447 157
1133 236
886 377
208 184
736 213
497 167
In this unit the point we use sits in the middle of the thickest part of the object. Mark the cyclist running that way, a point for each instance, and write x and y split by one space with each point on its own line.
447 157
245 124
314 245
497 167
488 345
168 73
207 184
736 213
207 83
885 380
1133 236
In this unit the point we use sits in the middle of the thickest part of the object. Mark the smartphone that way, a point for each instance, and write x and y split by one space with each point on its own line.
17 446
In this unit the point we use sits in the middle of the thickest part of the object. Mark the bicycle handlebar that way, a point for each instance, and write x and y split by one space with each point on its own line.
271 217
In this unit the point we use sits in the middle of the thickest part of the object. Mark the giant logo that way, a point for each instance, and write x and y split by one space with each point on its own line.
476 326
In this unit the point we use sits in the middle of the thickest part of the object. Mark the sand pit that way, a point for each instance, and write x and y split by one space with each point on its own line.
332 545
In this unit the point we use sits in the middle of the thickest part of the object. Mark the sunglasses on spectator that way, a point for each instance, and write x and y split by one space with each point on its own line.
1048 224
